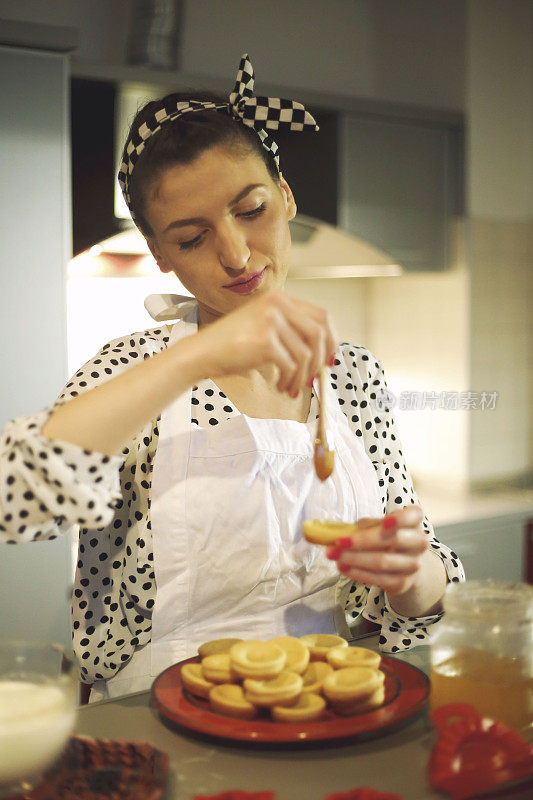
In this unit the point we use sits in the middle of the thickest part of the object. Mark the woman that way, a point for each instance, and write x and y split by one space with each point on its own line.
214 420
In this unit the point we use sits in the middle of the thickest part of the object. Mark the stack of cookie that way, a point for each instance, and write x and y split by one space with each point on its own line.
295 679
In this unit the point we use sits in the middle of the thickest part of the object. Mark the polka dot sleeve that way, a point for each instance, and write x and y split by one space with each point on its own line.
47 486
362 388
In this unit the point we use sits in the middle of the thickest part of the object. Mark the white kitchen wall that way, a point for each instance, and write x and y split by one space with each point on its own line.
103 308
499 90
105 303
499 97
501 445
345 299
418 325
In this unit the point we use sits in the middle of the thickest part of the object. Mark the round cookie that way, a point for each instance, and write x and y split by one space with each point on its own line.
340 657
217 668
229 699
352 683
326 532
297 653
320 643
282 690
314 677
308 707
255 659
347 708
193 679
216 646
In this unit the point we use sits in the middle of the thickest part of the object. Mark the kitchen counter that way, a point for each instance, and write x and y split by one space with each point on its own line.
395 762
447 505
488 530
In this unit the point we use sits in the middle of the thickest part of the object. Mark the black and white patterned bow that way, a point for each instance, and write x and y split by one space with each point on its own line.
259 113
270 113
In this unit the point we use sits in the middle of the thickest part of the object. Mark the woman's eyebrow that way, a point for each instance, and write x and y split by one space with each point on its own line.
180 223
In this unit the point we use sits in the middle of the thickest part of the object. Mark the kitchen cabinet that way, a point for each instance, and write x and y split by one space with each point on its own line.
35 232
400 186
491 547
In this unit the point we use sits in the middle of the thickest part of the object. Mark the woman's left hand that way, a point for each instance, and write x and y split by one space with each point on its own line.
384 552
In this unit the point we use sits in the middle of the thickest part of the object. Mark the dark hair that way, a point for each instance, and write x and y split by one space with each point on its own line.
182 140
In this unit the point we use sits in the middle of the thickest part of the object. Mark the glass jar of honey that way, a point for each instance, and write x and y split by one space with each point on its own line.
482 651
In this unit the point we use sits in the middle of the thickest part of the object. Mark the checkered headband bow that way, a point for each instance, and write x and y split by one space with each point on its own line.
259 113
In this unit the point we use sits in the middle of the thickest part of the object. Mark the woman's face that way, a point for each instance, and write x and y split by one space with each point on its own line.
221 225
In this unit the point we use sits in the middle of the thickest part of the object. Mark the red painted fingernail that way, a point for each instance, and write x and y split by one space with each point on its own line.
343 568
389 522
331 361
333 553
344 542
310 381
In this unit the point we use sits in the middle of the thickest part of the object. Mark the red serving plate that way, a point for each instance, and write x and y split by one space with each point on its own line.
406 694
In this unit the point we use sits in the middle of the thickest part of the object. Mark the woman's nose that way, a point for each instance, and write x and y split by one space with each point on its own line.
232 247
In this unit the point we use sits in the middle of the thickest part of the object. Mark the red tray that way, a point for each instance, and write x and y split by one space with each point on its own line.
406 694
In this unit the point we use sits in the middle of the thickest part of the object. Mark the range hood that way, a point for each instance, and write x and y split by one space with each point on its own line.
319 250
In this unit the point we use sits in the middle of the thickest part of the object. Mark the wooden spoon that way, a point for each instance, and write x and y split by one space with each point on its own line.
323 455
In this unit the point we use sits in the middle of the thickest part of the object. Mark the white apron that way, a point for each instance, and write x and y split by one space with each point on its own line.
227 506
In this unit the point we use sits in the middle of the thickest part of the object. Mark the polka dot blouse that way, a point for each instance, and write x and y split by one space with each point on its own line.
47 486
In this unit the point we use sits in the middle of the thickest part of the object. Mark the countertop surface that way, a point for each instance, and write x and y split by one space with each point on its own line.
448 505
393 762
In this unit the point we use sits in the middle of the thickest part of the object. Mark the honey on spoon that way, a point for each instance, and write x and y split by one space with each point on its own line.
324 456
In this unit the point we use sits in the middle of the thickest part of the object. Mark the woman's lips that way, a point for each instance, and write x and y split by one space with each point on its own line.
247 286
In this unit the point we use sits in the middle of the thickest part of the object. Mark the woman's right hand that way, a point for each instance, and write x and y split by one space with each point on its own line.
297 337
275 328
